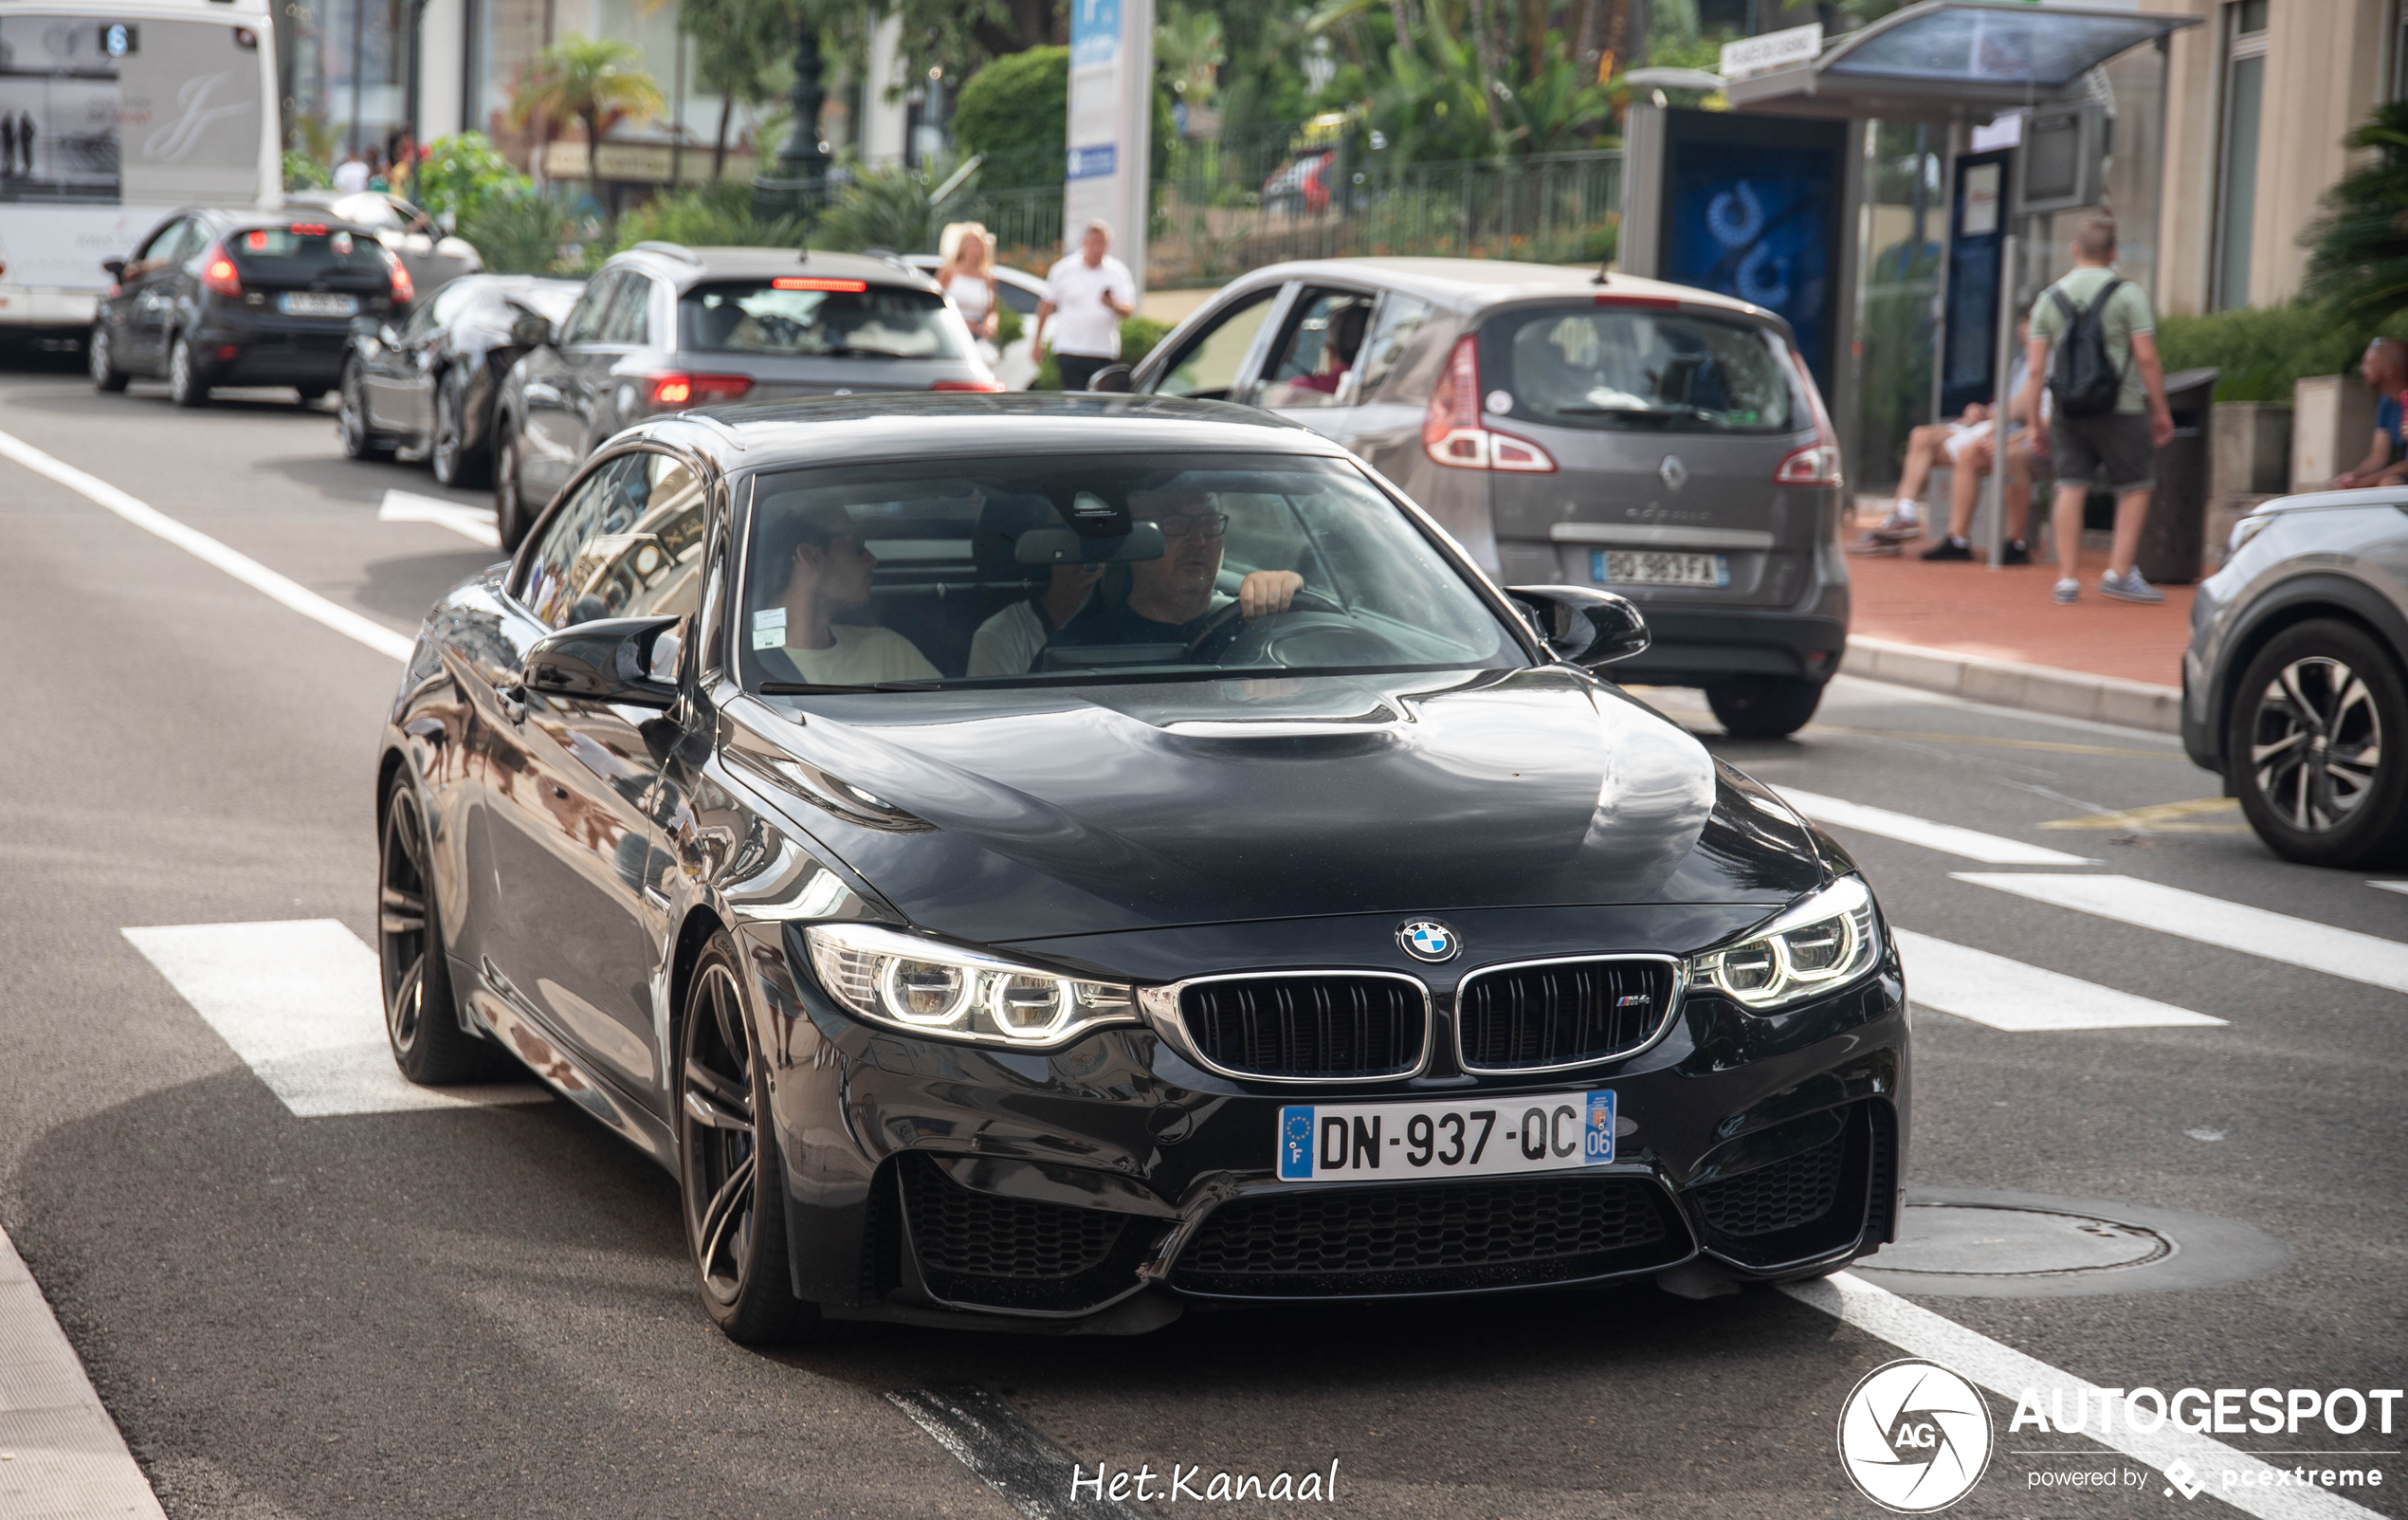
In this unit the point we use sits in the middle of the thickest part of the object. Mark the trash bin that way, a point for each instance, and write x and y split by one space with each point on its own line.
2174 544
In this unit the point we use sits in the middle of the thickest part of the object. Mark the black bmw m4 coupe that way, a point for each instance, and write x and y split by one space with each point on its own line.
1058 861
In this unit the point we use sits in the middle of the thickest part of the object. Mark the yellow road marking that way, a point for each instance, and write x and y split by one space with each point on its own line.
2164 817
2052 745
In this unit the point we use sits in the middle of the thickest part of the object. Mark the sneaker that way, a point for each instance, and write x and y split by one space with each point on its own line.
2129 587
2069 592
1899 526
1869 545
1949 549
2017 553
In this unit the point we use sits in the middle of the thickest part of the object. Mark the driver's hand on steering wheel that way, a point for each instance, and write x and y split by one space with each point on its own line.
1267 593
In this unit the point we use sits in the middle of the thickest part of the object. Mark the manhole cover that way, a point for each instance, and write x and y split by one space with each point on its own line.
1979 1243
1957 1239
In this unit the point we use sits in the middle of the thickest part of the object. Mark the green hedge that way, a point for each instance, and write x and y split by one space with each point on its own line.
2261 351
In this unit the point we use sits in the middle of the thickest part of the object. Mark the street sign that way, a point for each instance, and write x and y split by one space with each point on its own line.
1753 55
1111 119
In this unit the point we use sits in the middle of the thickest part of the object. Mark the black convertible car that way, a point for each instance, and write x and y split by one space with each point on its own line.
1051 861
429 386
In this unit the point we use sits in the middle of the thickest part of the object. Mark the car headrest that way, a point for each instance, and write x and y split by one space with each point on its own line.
993 543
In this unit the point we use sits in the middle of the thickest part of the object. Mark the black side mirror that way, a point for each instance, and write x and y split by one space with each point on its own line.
114 267
1584 627
607 660
1112 378
530 330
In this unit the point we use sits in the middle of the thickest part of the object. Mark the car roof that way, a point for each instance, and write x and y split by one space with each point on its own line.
685 266
904 425
1471 284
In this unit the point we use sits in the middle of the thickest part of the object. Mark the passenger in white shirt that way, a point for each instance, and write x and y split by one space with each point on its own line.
826 574
1009 643
1086 297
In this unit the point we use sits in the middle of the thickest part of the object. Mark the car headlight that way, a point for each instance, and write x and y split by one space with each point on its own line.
1827 940
907 983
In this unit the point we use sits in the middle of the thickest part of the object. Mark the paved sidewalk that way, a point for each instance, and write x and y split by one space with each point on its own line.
61 1455
1997 636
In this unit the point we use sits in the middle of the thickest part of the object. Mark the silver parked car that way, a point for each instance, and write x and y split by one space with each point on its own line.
2295 686
664 328
1667 443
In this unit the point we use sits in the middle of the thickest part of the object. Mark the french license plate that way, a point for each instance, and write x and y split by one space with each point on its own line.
1463 1137
1649 567
316 303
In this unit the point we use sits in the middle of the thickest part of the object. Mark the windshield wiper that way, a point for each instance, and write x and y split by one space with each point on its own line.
816 689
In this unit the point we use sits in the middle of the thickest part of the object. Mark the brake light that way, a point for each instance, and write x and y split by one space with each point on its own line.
405 290
1451 430
218 272
1645 302
698 390
1817 464
306 230
812 282
966 385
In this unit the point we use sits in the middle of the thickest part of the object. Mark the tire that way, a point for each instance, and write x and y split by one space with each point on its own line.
734 1192
99 353
509 500
421 1018
2314 701
1763 706
351 420
454 462
187 381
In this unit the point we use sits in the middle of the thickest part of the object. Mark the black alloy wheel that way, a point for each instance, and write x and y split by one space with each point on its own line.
351 418
187 383
99 352
1763 706
735 1193
421 1020
509 505
2314 748
448 452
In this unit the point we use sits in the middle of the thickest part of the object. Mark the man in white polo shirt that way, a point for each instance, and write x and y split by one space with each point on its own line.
1086 297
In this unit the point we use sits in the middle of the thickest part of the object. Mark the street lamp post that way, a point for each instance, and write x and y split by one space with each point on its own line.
801 179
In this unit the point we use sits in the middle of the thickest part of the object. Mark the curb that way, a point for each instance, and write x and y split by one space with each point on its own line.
64 1459
2034 687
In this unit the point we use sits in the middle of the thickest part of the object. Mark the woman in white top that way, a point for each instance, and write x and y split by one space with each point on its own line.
968 278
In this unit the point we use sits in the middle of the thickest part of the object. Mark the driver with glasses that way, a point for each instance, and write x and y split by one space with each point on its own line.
1172 598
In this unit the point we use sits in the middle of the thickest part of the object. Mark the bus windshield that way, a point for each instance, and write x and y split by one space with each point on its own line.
100 111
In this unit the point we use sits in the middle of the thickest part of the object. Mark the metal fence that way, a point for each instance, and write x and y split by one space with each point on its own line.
1216 218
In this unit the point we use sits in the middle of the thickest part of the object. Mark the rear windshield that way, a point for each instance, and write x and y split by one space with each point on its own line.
808 317
303 252
1632 369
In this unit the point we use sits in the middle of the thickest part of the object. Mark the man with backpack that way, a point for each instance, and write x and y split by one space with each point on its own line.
2110 418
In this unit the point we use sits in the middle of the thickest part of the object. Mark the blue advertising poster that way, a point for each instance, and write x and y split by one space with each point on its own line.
1095 32
1756 221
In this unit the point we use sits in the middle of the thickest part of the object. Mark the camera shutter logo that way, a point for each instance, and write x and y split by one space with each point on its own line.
1914 1437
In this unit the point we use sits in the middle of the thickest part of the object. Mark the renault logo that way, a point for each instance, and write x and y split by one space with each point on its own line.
1426 939
1672 472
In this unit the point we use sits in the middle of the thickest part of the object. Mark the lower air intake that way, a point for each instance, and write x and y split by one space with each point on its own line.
1008 1252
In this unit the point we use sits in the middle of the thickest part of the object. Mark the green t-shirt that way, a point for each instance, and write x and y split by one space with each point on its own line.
2128 312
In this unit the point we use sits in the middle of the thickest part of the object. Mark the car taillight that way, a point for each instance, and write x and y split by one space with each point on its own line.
698 390
218 272
405 290
1451 430
1817 464
966 385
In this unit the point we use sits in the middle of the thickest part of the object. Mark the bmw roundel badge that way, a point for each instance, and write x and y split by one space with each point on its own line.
1426 939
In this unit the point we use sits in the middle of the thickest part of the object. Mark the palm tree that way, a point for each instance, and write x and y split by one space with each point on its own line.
2360 242
593 79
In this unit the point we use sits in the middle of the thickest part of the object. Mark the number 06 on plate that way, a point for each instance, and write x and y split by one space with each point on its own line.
1465 1137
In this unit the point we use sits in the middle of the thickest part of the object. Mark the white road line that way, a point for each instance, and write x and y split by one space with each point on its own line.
471 523
300 1003
1011 1457
1948 839
2294 942
2003 993
191 540
2391 887
65 1459
2008 1372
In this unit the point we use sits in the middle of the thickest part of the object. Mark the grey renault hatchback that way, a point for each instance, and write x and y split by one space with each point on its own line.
1667 443
663 328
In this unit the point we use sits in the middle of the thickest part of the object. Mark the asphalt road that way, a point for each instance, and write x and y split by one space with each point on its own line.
488 1311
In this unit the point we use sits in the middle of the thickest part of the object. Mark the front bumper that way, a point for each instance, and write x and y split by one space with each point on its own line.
1073 1188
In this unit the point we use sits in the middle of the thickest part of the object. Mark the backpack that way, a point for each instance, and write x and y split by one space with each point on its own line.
2081 378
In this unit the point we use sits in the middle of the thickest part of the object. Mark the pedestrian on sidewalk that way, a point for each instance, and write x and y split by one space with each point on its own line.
1975 455
2384 368
2107 391
1088 292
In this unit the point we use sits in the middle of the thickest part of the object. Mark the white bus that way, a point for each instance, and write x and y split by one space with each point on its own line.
114 114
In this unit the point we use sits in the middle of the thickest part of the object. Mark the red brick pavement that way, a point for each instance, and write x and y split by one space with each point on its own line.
2007 615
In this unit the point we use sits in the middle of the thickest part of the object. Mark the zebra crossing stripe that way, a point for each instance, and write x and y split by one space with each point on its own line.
2003 993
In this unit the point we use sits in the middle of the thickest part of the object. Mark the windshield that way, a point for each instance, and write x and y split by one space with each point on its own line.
104 110
1073 570
807 317
1634 368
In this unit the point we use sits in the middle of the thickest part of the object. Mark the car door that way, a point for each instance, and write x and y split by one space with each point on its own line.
608 395
1213 361
551 427
578 862
150 287
1309 373
1385 425
391 381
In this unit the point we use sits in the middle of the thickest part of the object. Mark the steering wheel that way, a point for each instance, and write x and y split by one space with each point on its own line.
1224 629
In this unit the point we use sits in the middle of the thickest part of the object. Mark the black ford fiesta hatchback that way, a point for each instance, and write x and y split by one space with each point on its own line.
1049 861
